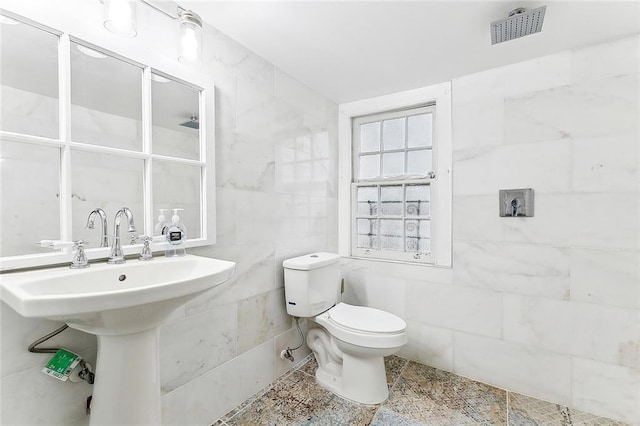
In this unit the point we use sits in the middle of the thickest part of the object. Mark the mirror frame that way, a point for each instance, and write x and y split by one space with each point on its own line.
150 62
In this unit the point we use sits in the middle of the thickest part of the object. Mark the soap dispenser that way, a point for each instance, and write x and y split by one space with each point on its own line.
176 236
162 224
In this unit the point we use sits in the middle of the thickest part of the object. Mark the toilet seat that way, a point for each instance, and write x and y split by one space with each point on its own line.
363 326
363 319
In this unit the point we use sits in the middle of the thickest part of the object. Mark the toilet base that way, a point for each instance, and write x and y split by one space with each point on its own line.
364 380
349 371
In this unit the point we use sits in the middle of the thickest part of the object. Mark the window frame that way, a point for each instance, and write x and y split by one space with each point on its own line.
65 144
441 184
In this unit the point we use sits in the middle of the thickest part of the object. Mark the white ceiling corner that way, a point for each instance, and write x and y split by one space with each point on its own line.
350 50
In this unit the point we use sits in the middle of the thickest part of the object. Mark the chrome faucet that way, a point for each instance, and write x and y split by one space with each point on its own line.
104 239
116 250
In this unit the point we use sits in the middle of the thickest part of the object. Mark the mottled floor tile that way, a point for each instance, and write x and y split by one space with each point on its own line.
386 417
419 396
298 400
528 411
309 367
394 366
425 395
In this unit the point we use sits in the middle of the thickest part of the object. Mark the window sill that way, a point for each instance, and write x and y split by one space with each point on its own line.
399 262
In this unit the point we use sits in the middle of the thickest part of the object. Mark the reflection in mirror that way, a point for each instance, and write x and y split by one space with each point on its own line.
106 100
176 114
28 79
177 185
30 207
108 182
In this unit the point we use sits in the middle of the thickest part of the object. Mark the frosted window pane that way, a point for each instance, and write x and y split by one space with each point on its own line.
367 233
391 200
370 137
393 164
369 166
320 171
419 129
391 234
303 171
393 134
417 200
418 235
419 162
367 201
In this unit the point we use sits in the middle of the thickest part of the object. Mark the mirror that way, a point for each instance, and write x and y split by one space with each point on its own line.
177 185
109 182
176 118
29 79
175 109
30 207
106 100
112 156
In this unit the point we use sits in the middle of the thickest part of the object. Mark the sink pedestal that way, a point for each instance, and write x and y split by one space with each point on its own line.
127 383
124 305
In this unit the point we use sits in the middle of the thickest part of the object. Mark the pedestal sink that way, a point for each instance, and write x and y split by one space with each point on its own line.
123 305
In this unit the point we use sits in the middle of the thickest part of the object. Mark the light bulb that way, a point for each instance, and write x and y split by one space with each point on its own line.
190 38
189 45
120 17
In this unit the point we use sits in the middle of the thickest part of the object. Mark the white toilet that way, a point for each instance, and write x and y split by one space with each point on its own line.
351 341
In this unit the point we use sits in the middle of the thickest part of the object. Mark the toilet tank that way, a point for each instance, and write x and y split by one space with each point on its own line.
311 283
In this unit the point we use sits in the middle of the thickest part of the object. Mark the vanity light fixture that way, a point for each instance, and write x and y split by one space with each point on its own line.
190 33
120 18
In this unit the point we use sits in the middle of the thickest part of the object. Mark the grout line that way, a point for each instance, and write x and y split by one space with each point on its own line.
508 405
406 364
392 386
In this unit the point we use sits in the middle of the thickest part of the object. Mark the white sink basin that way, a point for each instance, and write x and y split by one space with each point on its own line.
123 305
104 296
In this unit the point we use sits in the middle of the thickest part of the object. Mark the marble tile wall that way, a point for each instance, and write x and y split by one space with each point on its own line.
223 346
550 305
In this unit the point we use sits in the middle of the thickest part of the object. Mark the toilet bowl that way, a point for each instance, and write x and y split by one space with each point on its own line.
349 342
349 346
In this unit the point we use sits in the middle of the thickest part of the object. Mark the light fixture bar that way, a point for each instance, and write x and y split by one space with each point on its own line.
120 18
162 10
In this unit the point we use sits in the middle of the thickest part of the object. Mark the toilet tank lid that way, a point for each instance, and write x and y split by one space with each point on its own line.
311 261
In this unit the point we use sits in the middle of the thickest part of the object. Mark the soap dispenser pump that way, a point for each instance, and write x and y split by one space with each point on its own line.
162 224
176 236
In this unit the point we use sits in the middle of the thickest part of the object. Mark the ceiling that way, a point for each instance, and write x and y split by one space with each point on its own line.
359 49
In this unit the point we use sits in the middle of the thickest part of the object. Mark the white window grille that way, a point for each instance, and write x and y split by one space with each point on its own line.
391 190
407 170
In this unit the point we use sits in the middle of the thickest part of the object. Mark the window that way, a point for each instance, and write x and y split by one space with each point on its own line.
396 177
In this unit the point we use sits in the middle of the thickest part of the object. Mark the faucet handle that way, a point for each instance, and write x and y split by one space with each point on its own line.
80 259
146 253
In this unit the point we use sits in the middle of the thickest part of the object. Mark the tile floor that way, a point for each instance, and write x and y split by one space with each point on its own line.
419 395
